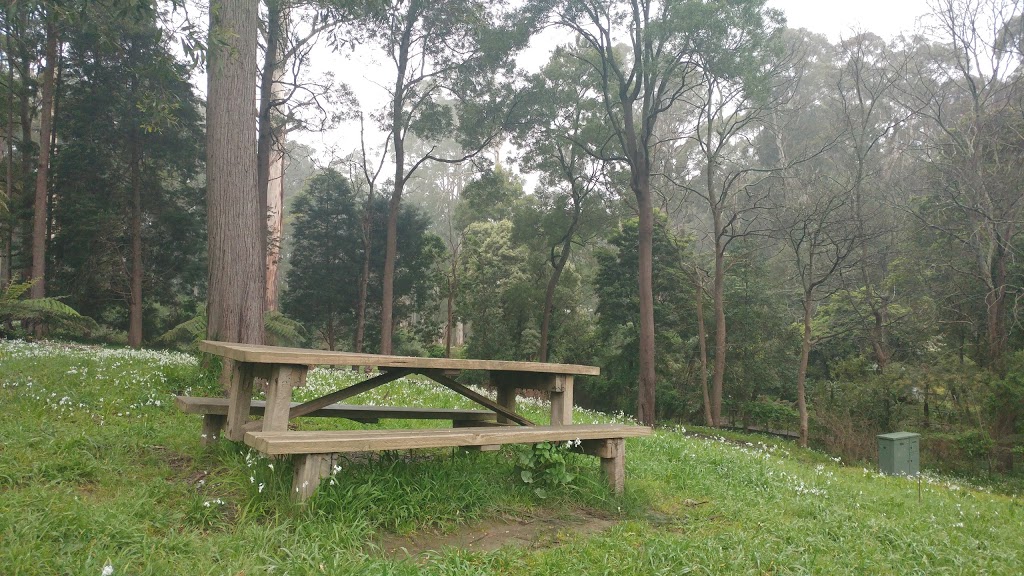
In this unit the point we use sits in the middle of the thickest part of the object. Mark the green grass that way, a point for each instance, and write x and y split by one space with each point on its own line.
97 468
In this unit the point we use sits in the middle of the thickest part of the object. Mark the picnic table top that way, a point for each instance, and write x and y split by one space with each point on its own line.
258 354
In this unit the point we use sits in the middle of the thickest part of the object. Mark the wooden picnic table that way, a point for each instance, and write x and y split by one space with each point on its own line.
286 368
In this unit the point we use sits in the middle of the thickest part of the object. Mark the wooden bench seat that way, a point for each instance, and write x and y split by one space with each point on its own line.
215 410
313 450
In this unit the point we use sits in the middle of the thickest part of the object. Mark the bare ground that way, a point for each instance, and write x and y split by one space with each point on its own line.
541 528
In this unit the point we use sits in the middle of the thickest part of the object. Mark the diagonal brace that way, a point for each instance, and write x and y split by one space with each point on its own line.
440 378
338 396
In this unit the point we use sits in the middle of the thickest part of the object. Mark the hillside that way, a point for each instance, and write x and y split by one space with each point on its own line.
98 469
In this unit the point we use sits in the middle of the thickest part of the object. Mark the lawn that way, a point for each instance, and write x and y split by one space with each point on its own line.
98 469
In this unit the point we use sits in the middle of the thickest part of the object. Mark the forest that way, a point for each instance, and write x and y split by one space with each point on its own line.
743 224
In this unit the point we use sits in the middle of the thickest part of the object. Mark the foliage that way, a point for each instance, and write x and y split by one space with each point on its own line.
50 311
543 465
327 251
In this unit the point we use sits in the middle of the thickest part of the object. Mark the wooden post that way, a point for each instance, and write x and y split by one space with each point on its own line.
561 399
283 377
213 425
310 469
612 453
613 466
239 377
507 399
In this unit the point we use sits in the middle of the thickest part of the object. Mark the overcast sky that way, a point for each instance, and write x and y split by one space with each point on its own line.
836 18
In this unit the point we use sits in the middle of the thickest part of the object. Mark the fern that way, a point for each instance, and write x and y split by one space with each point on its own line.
281 328
284 330
15 308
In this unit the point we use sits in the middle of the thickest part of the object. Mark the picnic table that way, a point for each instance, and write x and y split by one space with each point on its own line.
284 369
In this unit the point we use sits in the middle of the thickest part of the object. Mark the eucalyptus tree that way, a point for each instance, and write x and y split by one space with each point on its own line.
439 51
739 90
869 76
968 85
645 57
559 117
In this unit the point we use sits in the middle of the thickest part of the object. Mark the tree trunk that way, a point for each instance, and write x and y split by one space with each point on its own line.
453 287
801 376
557 265
235 226
270 146
40 208
364 275
398 141
718 287
702 342
6 263
135 292
647 378
995 306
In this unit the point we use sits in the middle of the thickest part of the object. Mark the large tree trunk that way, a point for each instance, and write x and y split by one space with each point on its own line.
135 292
647 379
702 342
270 146
237 264
801 376
364 275
40 208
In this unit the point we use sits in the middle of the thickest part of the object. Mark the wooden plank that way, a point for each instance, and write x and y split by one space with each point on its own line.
281 355
240 393
365 385
305 442
478 398
283 378
214 406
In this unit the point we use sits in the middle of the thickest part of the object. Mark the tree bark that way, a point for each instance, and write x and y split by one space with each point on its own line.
702 342
270 147
718 287
801 376
135 292
40 208
647 378
364 275
237 264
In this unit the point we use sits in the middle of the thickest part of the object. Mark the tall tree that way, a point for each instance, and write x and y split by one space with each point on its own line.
637 84
40 205
439 55
235 227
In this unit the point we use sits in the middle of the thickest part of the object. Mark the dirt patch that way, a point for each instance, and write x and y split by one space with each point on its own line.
533 530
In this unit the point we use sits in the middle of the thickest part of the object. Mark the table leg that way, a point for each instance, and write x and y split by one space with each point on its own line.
239 383
507 399
283 377
561 400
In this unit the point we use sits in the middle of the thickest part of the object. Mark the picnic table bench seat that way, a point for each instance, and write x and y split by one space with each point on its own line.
314 450
215 413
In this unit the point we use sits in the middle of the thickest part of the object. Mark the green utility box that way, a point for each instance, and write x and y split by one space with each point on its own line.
899 454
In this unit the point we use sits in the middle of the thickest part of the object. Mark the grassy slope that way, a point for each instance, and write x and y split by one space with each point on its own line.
97 467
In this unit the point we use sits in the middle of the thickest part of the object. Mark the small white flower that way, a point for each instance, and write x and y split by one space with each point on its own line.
261 487
108 570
